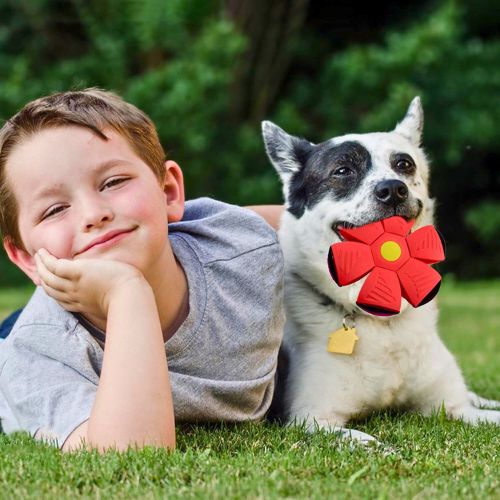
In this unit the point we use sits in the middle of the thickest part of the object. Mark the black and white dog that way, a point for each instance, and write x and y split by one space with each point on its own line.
399 361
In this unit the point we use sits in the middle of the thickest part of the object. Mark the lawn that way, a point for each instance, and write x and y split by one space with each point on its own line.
432 458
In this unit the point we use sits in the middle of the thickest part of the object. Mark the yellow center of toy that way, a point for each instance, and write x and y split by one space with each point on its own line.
390 251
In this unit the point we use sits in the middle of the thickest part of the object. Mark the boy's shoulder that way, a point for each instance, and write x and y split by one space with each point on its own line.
46 327
45 311
220 231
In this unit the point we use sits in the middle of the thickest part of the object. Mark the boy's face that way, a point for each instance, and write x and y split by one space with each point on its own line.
98 187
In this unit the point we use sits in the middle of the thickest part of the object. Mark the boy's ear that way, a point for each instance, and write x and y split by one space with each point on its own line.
22 259
173 187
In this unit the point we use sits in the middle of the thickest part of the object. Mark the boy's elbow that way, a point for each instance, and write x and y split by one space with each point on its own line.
166 442
121 446
102 440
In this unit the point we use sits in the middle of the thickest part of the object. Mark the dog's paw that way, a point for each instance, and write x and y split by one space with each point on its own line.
361 438
479 402
357 437
475 416
352 437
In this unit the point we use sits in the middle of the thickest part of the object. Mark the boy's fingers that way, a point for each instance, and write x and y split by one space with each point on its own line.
48 277
61 298
54 293
60 267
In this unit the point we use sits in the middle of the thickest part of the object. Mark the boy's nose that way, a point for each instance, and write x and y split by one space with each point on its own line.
96 216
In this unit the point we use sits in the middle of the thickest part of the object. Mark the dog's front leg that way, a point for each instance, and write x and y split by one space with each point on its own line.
315 396
445 386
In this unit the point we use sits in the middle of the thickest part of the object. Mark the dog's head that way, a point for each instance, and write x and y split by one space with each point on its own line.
347 181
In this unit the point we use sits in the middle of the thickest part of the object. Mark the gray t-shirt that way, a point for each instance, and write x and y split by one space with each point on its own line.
222 359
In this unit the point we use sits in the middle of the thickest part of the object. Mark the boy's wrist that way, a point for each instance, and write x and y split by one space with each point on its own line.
132 284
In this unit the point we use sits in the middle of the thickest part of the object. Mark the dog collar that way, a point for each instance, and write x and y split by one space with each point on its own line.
343 340
325 301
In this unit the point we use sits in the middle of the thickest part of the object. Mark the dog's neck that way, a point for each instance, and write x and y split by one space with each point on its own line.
324 300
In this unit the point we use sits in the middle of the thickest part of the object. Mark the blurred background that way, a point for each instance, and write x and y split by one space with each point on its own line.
207 72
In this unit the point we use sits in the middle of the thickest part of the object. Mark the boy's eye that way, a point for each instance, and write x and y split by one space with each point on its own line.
112 182
55 210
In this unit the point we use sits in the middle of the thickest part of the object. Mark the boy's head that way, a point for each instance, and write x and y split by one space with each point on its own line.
75 143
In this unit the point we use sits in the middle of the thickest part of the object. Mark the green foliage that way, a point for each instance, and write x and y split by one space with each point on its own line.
368 88
166 25
484 219
190 94
178 60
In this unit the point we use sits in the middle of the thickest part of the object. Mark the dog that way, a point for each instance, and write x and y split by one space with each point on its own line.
398 361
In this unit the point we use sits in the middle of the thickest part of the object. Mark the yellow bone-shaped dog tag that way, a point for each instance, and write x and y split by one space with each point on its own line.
342 341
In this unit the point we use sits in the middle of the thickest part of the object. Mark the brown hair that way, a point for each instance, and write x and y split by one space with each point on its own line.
92 108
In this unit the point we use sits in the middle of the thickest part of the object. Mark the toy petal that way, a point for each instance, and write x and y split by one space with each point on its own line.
365 234
425 244
349 261
419 282
397 225
381 293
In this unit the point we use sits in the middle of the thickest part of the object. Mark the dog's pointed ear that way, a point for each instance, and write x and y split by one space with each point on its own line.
412 125
286 152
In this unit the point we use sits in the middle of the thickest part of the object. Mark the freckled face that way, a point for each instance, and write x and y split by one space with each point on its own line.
98 186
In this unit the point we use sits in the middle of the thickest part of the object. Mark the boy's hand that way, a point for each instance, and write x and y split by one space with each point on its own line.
85 285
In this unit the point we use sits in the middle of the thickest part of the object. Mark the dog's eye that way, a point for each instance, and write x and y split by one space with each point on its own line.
403 163
343 171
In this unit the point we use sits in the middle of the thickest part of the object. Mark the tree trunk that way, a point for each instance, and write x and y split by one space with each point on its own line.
271 27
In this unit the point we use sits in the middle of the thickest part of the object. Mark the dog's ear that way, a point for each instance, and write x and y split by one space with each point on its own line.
413 123
286 152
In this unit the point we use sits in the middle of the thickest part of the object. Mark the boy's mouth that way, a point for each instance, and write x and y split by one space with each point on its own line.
108 237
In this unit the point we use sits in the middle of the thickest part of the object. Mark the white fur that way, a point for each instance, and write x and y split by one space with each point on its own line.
398 361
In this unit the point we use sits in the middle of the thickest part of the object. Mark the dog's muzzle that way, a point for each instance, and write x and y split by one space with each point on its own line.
391 192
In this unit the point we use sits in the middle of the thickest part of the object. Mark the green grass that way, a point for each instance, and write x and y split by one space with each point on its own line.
433 457
13 298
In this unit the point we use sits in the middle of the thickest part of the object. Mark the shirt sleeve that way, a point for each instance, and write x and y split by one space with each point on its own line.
48 382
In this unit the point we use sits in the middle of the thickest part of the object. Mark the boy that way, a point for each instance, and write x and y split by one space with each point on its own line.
85 196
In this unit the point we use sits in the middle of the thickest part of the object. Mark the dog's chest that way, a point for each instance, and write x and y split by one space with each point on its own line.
388 357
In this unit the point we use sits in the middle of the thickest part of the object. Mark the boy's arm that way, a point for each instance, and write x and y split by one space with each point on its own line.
133 404
271 213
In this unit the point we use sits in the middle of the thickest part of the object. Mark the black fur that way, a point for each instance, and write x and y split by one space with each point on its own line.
327 170
277 412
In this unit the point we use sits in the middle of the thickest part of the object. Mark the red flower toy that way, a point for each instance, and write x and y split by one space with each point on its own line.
398 264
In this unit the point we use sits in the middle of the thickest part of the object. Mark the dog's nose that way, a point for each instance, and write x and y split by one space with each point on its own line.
391 192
